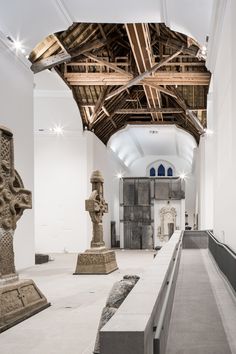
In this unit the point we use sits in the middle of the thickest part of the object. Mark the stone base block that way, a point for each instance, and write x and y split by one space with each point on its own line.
96 261
18 301
41 258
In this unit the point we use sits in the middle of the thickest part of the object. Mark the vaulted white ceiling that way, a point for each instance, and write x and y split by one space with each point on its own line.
31 21
135 142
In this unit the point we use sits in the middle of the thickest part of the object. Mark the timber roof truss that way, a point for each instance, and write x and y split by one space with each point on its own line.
123 74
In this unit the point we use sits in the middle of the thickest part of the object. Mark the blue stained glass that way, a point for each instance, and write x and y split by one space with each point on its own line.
170 172
161 171
152 172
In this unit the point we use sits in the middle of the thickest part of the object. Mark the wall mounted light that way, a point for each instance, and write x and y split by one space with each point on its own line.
119 175
183 175
17 45
57 129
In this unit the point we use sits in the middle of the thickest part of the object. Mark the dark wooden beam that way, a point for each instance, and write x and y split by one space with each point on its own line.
64 57
159 88
99 104
170 110
106 63
191 115
159 78
137 79
176 44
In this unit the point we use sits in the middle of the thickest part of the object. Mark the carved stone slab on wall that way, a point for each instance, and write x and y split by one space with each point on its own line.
19 299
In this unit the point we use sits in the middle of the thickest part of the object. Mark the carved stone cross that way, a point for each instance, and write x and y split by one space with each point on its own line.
13 200
96 206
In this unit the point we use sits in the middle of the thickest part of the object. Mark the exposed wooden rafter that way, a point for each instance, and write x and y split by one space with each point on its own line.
129 74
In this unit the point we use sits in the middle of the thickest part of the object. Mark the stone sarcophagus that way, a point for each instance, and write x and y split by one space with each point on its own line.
97 259
19 299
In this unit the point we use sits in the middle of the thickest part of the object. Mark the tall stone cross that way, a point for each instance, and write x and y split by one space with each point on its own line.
13 200
96 206
98 259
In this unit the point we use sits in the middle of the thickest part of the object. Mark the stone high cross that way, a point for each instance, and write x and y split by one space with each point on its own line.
13 200
96 206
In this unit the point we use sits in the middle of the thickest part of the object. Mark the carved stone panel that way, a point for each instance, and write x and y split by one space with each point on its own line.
168 217
138 230
19 301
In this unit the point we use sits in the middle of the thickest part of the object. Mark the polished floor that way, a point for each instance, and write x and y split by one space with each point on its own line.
69 326
203 318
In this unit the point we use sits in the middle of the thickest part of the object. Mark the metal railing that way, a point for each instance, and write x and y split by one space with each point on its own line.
225 258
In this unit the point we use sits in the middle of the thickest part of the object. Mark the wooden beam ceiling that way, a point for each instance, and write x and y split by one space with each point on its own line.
133 73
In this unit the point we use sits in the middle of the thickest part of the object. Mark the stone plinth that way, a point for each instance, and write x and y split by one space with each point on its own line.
96 261
18 301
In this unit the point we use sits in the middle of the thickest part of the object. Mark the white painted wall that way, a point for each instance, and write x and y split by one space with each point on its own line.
63 166
139 167
104 160
221 62
16 113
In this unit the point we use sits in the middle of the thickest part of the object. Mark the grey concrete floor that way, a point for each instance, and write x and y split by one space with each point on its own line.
69 326
203 319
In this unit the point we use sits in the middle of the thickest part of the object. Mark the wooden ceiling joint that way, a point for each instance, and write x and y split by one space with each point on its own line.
123 74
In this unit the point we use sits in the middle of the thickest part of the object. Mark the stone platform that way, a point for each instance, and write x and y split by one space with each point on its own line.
18 301
96 261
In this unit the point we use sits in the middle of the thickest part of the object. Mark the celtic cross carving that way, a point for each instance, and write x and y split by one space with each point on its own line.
96 206
14 199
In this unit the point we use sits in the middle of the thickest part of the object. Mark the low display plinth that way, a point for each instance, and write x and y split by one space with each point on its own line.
96 261
18 301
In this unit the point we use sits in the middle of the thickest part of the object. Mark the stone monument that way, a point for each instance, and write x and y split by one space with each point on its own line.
19 299
98 259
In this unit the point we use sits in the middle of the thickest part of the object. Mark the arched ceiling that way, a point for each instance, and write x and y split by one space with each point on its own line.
185 105
123 74
135 142
31 21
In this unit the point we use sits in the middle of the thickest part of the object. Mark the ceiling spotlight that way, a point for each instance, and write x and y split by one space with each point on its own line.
58 130
119 175
17 45
182 175
208 132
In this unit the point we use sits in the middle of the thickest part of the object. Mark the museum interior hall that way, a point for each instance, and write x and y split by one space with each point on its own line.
117 161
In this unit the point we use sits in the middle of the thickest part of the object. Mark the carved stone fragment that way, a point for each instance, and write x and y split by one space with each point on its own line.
117 295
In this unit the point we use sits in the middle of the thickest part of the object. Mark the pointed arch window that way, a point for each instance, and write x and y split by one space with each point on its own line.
170 172
161 171
152 172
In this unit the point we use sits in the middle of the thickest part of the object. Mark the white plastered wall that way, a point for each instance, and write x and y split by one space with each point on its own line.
63 166
221 162
16 113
